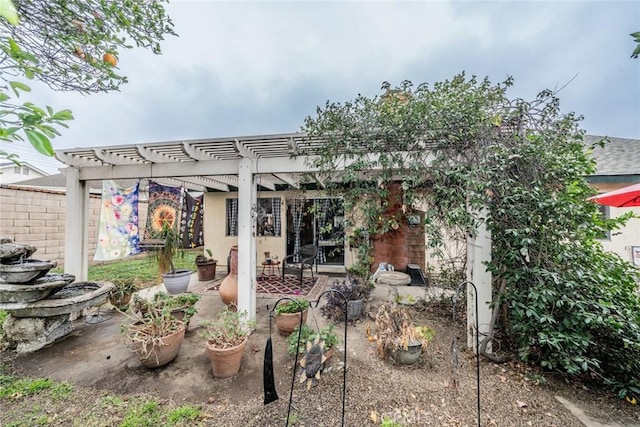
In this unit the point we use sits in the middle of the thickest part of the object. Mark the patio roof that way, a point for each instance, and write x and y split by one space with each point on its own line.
204 164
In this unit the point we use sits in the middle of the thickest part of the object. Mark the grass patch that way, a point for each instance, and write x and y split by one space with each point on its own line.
15 388
143 271
142 414
184 415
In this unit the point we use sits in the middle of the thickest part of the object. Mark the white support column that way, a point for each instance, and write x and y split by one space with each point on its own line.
76 229
478 253
246 238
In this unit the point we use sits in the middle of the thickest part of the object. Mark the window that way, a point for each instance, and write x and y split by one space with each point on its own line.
268 217
16 169
25 171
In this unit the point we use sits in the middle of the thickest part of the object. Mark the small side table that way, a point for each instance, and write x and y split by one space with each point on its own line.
272 270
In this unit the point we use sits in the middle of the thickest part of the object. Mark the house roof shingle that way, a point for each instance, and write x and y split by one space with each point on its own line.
620 156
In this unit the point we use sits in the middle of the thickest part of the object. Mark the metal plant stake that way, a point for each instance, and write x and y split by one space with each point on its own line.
270 393
454 344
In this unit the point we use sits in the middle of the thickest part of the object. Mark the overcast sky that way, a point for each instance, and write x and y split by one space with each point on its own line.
262 67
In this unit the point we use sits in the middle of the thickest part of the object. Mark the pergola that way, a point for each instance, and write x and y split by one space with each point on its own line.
217 164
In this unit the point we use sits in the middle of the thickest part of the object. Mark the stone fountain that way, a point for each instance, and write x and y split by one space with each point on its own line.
40 303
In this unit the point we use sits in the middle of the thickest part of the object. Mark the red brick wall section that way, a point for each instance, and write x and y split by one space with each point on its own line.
36 217
405 245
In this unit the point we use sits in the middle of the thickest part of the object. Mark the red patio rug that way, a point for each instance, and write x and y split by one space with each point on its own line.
275 287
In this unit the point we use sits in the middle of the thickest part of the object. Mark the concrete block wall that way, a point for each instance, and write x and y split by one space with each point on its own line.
37 217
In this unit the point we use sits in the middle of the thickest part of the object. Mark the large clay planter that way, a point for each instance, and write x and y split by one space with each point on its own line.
288 322
229 287
162 352
225 362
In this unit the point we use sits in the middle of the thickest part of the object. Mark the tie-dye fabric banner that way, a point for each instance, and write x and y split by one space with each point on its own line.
191 224
118 229
164 206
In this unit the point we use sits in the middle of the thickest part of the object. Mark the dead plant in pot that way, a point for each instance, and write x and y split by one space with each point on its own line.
226 339
397 337
153 333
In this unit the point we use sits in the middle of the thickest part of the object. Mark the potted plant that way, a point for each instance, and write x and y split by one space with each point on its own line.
182 306
397 337
226 339
288 314
325 334
206 266
120 294
154 334
355 290
175 280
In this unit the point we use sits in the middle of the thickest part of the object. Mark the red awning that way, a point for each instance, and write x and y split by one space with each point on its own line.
622 197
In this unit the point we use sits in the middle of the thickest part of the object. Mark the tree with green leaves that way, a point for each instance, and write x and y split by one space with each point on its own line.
461 147
70 45
636 39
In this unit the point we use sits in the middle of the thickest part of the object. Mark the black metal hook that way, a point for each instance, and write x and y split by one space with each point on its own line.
313 305
455 299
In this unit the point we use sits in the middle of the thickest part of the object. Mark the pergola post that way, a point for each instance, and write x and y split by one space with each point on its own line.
76 228
246 238
478 254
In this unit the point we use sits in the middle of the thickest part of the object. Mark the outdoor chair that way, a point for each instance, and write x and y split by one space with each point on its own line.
305 257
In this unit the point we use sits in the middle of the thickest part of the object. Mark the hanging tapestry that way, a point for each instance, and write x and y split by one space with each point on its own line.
164 206
191 224
118 229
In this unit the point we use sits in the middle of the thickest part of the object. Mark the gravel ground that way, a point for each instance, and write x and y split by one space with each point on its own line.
417 395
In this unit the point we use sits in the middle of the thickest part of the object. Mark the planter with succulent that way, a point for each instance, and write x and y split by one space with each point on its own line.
355 290
175 280
396 336
289 313
120 295
326 335
206 266
153 333
226 339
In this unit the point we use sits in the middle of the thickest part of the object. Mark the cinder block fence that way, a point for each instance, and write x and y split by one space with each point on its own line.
36 216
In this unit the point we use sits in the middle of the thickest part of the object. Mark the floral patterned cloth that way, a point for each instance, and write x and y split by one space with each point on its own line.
118 230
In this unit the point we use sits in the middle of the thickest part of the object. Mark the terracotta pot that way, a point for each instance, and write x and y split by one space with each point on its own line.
225 362
229 287
162 352
287 322
328 353
206 272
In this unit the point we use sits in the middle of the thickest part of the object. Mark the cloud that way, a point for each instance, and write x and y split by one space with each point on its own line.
241 68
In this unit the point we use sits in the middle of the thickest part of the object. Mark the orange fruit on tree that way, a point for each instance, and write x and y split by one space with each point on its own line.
110 59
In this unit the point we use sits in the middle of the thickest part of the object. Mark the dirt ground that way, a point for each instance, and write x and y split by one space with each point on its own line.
95 359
